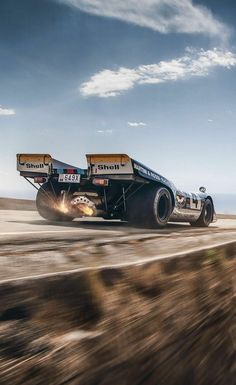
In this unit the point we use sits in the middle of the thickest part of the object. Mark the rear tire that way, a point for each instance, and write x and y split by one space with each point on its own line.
206 216
151 207
46 202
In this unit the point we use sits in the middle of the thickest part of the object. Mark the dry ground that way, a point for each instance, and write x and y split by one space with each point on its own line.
100 303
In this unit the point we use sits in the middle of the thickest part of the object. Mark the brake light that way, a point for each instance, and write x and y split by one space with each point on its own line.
100 182
39 179
70 171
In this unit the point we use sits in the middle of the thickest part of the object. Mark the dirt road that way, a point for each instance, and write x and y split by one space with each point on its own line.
31 246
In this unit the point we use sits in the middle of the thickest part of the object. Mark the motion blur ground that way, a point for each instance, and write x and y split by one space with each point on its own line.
97 302
36 246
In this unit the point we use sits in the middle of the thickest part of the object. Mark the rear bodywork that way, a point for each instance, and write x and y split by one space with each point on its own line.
106 186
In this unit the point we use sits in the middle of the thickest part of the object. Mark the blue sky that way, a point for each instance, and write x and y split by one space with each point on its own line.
157 81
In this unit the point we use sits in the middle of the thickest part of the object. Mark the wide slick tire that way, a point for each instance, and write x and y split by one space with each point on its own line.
151 207
206 216
46 203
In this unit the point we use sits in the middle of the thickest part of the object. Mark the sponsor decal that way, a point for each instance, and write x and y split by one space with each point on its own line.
112 168
149 173
102 167
34 165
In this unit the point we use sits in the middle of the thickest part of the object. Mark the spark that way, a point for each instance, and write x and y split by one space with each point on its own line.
63 206
85 209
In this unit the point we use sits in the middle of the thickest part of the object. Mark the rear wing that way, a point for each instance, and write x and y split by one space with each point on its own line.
113 166
109 164
31 165
43 165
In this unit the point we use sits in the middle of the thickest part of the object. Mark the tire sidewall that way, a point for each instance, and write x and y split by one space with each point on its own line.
204 218
44 203
202 221
162 191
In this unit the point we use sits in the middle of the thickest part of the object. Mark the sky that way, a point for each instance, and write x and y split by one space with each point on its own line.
155 79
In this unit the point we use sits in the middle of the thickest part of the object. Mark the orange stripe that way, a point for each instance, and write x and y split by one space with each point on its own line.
34 158
108 158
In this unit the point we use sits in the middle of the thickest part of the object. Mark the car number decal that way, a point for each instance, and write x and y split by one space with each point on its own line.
195 203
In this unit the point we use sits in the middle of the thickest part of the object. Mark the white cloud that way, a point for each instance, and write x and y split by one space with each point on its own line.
108 83
6 111
210 120
118 81
105 132
136 124
163 16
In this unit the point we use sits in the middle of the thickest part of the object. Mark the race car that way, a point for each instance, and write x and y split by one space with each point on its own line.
113 186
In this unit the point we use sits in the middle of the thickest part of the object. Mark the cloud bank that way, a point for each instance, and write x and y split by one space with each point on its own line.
164 16
107 83
6 111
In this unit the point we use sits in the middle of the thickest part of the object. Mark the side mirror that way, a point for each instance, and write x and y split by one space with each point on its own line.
202 189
